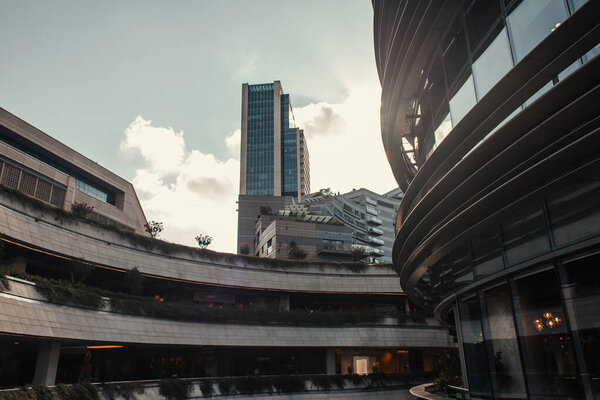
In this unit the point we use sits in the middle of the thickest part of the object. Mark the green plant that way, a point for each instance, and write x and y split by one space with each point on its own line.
245 249
203 241
154 228
357 253
322 382
78 271
225 387
134 281
206 387
126 391
296 252
450 373
289 384
174 389
81 210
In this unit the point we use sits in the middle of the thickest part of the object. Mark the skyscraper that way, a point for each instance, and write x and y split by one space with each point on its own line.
274 155
274 161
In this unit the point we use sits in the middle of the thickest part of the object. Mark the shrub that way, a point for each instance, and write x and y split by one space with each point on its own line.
225 387
206 387
322 382
203 241
154 228
357 254
134 281
174 389
289 384
296 252
245 249
81 210
126 391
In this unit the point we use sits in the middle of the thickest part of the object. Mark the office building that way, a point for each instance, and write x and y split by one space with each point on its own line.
371 216
490 119
274 159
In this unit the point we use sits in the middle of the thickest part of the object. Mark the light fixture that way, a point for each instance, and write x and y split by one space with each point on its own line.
549 319
104 347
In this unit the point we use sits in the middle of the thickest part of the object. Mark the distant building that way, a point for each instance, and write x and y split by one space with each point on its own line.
371 217
274 160
320 237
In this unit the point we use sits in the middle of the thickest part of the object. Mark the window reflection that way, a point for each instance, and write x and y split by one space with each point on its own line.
500 333
493 64
548 352
463 101
532 21
524 235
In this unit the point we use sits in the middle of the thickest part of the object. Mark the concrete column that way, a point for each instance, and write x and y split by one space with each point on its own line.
46 364
330 361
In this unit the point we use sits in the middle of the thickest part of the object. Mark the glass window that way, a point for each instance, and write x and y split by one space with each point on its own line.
584 285
500 333
442 131
480 18
493 64
524 235
474 347
454 47
548 353
532 21
574 212
487 254
462 101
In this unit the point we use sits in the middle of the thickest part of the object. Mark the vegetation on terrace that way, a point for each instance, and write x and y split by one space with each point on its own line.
167 248
179 389
77 294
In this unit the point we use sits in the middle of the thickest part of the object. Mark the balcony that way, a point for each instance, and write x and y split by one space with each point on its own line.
375 231
376 241
371 210
370 201
374 220
334 248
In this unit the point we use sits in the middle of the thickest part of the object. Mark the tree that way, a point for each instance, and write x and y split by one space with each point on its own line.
296 252
245 249
203 241
81 210
357 253
154 228
134 281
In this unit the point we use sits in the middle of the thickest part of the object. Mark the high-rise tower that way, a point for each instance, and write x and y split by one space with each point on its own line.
274 162
274 155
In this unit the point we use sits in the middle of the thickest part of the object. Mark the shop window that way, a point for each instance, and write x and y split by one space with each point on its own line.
547 345
501 335
474 347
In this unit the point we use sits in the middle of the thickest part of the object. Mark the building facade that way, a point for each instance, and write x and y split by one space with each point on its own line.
88 300
319 237
274 157
490 123
371 216
274 160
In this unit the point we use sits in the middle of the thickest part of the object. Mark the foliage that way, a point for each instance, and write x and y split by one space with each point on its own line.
450 373
225 387
126 391
322 382
289 384
245 249
296 252
81 210
154 228
78 271
174 389
203 241
357 253
206 387
134 281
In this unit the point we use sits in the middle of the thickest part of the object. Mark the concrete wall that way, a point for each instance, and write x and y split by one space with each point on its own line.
23 311
30 226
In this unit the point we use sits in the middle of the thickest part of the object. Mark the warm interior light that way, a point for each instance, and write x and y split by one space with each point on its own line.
104 347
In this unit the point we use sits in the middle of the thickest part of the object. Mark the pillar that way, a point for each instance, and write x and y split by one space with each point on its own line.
46 364
330 361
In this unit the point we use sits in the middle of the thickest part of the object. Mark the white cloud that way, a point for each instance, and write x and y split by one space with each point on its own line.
189 191
344 142
233 143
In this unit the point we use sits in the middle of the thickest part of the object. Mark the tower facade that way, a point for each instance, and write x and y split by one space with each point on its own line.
274 155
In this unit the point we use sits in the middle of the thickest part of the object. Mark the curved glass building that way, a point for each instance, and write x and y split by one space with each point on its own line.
490 119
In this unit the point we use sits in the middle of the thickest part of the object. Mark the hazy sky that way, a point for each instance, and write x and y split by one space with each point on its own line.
152 91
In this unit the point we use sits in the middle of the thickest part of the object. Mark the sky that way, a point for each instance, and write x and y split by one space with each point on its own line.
151 90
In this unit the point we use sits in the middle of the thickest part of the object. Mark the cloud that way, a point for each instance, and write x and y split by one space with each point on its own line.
191 192
233 143
344 141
